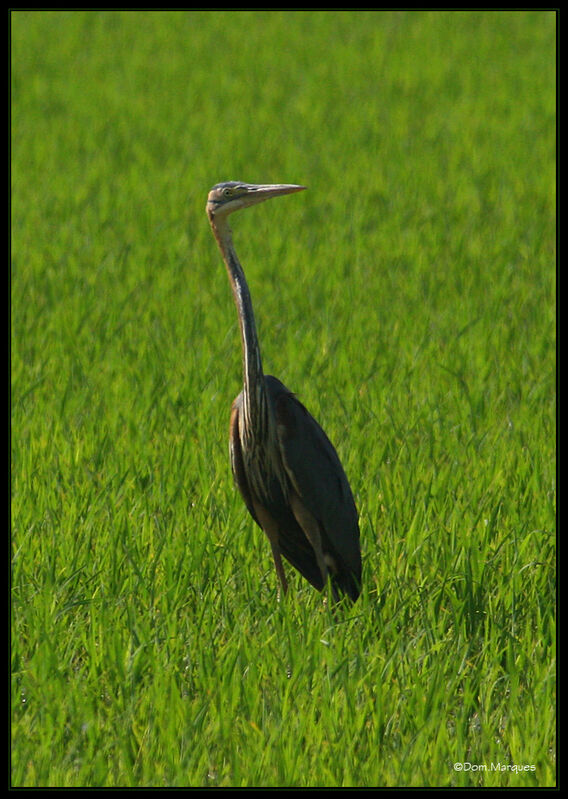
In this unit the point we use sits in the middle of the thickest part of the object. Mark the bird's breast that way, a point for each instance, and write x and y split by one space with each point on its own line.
263 464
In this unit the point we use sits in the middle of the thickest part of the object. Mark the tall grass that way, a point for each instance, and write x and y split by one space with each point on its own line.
408 298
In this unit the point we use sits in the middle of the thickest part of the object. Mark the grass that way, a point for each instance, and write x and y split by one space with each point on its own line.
408 298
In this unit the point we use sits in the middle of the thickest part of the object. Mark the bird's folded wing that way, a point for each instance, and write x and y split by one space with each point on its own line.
317 476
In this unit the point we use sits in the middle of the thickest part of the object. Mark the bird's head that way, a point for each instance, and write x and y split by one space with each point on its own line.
224 198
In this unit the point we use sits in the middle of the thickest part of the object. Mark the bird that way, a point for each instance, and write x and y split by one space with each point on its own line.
284 465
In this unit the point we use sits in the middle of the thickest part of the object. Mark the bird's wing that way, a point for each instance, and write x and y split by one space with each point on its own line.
318 478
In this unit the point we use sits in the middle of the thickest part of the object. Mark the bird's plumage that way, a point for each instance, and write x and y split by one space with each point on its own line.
314 472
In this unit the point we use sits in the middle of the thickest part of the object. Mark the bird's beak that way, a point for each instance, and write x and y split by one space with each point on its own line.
261 192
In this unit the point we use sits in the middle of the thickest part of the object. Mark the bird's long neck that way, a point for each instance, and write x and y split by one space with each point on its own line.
255 406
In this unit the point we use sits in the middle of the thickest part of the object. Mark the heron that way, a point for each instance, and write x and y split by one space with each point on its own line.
284 465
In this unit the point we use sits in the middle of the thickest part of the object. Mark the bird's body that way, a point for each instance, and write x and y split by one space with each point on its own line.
284 465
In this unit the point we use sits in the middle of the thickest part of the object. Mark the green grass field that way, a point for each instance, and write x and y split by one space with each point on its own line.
408 298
